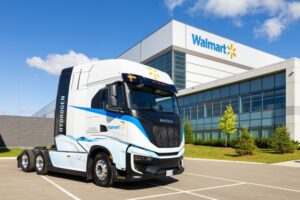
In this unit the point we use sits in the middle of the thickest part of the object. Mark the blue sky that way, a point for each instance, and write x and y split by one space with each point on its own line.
32 30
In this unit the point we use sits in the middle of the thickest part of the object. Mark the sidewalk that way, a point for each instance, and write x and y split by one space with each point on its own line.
292 163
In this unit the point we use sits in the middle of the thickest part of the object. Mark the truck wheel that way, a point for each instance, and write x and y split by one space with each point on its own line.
102 170
27 161
40 164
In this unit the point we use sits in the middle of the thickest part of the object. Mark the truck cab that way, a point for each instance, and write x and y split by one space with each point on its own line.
115 120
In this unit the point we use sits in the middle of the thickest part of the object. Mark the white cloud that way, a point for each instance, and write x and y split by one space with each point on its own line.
229 8
272 28
172 4
234 8
294 10
279 13
54 63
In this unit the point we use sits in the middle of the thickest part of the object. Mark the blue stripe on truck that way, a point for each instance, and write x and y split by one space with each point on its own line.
127 118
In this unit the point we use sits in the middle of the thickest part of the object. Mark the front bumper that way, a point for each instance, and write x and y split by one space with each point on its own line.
144 166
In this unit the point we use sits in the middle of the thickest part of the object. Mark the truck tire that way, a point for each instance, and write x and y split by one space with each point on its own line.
27 161
103 171
40 164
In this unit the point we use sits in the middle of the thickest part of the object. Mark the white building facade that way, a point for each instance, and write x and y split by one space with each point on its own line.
192 56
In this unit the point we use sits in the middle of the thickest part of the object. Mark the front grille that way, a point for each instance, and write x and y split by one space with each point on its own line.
166 136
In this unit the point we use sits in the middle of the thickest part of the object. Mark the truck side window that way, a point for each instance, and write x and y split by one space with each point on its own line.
100 99
96 101
120 96
104 101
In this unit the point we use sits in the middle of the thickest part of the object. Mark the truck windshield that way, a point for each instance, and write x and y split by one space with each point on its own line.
154 99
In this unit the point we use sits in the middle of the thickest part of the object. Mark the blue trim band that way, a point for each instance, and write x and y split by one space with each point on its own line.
127 118
82 139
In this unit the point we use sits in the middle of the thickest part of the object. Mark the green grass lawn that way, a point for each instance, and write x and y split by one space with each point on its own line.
261 155
10 152
198 151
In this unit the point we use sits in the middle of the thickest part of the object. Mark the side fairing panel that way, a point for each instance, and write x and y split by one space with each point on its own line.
67 143
68 160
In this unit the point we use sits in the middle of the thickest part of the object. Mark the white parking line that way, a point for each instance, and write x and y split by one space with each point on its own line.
213 177
61 189
250 183
216 187
158 195
190 192
274 187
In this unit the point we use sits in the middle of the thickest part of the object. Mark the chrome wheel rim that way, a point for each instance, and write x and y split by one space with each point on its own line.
25 161
101 170
39 163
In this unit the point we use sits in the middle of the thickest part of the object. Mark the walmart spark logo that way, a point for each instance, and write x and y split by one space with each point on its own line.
229 50
153 73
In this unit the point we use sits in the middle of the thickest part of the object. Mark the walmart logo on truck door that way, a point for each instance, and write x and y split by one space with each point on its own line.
229 50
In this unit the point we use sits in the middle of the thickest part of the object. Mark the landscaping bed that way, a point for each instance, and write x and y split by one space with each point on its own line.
228 153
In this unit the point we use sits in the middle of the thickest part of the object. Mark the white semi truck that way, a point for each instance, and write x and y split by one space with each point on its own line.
115 120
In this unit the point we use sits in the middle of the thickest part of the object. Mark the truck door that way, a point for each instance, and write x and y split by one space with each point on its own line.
116 107
106 121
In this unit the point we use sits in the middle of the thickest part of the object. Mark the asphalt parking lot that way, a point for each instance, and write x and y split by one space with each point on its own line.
202 179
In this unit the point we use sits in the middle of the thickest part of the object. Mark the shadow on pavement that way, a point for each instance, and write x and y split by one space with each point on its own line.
145 184
121 185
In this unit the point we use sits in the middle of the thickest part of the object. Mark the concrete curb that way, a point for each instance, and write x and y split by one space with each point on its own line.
8 158
291 163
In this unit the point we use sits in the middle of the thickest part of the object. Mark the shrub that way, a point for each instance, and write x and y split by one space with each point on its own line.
233 142
245 143
215 142
188 135
210 142
281 142
264 143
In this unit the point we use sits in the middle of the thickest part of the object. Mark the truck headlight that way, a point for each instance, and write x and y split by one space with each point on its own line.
142 158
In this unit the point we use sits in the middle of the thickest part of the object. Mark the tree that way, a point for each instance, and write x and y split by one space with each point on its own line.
245 143
227 123
281 142
188 135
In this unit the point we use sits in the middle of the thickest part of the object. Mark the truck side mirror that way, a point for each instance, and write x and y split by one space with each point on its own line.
113 101
112 95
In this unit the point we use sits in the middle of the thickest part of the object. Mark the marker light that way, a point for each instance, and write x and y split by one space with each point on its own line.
131 77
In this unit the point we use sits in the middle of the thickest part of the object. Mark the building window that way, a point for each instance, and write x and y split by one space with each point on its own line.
280 97
163 63
216 108
201 110
179 69
244 103
268 100
173 63
259 104
256 101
